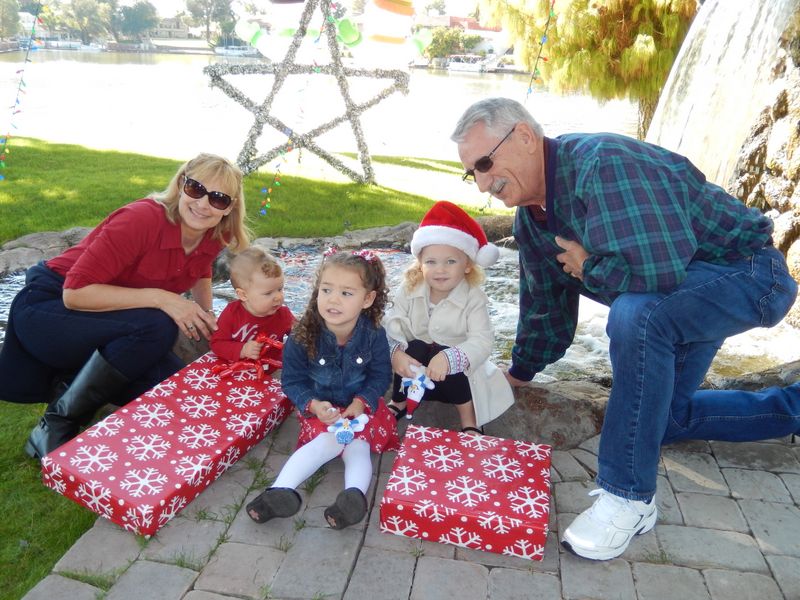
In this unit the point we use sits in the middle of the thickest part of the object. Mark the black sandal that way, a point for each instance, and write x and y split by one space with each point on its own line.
478 430
398 412
274 502
350 508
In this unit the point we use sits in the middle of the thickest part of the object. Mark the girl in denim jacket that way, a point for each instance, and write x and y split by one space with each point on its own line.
336 365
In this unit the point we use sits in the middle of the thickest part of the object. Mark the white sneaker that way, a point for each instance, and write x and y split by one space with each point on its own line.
604 530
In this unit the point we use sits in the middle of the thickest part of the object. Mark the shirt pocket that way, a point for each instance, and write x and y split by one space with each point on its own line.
358 364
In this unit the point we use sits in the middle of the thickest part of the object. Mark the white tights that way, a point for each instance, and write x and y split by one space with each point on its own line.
307 459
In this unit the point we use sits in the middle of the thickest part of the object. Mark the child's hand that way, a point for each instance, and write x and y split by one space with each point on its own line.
356 409
325 411
401 364
251 349
438 368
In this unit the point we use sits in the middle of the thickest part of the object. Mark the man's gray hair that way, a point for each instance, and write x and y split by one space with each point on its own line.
499 115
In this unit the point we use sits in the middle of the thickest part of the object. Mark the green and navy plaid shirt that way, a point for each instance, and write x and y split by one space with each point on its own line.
643 214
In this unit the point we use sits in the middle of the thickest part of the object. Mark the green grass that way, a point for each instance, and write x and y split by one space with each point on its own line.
52 187
38 526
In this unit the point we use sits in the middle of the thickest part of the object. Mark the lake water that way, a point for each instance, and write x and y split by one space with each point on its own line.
162 105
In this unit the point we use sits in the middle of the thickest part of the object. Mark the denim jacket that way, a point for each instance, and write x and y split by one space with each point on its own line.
362 367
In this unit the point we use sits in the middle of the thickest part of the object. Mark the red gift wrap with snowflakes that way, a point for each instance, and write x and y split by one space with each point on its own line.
145 462
474 491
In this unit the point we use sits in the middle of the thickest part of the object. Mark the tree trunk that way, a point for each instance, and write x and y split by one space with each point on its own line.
647 108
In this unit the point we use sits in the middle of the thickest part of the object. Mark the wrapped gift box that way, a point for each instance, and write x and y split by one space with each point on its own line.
142 464
480 492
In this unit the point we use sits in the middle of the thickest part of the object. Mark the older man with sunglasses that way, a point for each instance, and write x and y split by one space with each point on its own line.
682 266
97 323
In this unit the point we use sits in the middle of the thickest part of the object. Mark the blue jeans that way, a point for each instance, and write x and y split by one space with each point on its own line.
44 339
661 346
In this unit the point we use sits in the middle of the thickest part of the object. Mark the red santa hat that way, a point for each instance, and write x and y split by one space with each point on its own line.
447 224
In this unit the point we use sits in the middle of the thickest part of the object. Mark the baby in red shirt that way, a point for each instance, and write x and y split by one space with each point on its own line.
257 279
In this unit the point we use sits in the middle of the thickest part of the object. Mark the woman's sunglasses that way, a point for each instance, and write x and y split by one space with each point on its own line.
484 163
195 189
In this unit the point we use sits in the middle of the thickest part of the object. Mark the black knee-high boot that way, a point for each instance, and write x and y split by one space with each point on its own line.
95 384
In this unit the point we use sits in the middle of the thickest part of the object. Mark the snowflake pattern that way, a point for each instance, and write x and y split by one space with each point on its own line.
399 526
52 475
198 407
201 379
441 458
198 436
229 458
88 459
406 481
108 427
244 375
138 517
458 536
95 497
273 387
530 502
139 467
245 397
478 442
501 467
153 415
471 491
143 482
246 425
194 469
534 451
467 491
435 513
165 389
423 434
498 523
148 447
525 549
174 506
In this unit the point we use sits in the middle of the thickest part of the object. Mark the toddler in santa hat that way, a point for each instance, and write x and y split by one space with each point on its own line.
440 320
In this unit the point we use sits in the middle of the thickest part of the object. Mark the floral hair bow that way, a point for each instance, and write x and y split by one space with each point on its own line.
367 255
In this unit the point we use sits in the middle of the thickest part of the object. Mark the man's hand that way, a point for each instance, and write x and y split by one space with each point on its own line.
572 258
513 381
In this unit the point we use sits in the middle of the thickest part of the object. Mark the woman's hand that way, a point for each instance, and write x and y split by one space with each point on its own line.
438 368
356 408
324 411
189 316
401 364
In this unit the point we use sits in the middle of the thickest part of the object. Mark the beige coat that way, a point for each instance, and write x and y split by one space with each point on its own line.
460 320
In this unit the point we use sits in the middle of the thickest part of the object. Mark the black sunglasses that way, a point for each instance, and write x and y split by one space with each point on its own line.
484 163
195 189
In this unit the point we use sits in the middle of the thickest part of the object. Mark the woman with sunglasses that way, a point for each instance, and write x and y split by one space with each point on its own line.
97 324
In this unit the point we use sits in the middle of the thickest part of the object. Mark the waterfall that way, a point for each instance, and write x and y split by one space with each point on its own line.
720 82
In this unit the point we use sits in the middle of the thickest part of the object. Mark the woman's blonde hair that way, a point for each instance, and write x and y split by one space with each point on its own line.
231 230
412 277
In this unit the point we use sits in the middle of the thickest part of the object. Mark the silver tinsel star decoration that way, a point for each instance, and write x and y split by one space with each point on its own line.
248 159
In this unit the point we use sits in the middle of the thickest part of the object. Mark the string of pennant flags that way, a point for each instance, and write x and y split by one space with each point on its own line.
5 145
535 74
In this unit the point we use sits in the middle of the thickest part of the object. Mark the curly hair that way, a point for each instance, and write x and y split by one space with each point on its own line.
369 267
412 277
